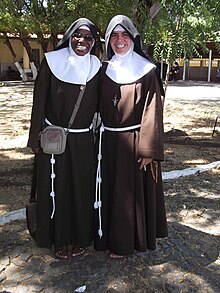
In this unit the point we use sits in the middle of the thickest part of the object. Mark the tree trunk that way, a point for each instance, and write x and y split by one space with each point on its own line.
155 8
7 42
22 72
18 66
34 70
26 44
54 40
145 8
167 78
43 41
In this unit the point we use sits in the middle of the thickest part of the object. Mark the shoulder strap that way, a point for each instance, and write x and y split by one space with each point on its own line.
77 105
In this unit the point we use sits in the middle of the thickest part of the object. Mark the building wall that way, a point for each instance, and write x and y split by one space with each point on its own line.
6 59
197 69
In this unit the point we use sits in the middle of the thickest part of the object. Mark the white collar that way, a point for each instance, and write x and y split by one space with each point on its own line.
129 67
67 66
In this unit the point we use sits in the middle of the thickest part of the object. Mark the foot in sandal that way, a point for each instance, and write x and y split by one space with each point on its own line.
76 251
62 252
116 256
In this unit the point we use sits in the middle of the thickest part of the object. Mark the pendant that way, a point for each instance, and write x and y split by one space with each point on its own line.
115 101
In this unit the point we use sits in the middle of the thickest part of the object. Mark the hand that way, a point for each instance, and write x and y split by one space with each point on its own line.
144 161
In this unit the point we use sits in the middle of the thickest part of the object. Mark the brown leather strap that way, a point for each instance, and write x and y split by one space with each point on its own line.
77 105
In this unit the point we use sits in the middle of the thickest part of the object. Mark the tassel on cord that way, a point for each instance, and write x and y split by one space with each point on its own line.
52 162
154 175
52 176
98 202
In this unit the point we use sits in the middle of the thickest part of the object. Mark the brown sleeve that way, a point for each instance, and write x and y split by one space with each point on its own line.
41 91
151 132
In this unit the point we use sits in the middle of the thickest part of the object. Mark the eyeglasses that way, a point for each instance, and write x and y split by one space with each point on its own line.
87 38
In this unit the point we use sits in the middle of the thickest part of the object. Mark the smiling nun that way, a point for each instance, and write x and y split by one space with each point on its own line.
65 197
129 195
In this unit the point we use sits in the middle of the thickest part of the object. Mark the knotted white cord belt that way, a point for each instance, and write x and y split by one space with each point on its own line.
52 162
98 202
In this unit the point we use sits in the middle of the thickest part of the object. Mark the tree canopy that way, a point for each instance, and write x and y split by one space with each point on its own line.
182 27
174 27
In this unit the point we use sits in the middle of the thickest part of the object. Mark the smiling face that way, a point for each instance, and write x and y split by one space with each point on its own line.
120 42
82 42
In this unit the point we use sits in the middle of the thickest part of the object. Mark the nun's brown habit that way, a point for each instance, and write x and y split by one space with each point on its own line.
54 99
133 210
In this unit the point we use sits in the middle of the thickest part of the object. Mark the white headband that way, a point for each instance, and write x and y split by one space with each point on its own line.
84 27
118 28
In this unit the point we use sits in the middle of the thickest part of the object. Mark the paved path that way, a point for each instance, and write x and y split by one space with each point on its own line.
21 215
194 90
187 261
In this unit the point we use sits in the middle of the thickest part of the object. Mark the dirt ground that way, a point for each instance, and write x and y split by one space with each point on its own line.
188 121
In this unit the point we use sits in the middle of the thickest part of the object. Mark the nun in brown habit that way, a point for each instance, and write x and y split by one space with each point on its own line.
129 203
65 203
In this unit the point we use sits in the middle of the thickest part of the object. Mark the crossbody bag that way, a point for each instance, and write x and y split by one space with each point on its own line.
53 138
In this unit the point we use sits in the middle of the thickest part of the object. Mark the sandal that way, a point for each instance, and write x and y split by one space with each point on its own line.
116 256
61 253
76 251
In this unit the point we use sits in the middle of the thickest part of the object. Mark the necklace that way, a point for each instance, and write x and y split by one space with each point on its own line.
115 100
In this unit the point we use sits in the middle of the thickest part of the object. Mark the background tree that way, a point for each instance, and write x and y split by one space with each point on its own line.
181 28
175 28
12 21
23 18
